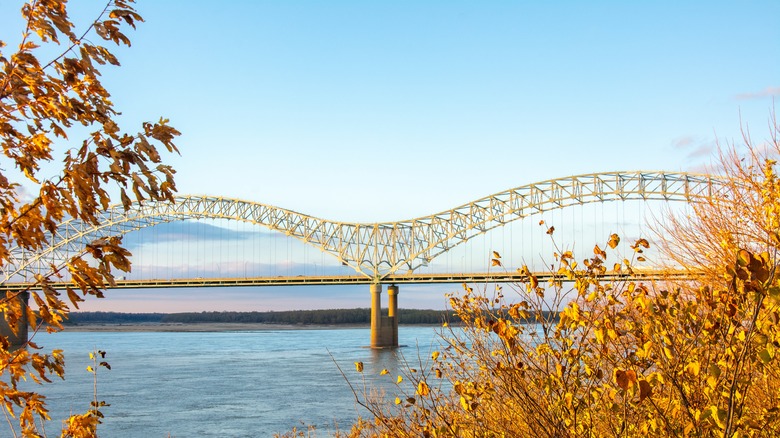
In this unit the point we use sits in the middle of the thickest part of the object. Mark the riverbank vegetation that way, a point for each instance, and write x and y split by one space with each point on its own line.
695 358
303 317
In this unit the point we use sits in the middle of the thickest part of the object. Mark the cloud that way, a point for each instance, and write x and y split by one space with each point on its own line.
277 298
183 230
683 142
766 92
700 168
237 269
695 148
705 149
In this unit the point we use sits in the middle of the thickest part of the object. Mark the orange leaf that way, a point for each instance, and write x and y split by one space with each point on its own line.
645 389
625 379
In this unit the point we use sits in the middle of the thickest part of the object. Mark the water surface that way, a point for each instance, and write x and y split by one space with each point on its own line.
238 384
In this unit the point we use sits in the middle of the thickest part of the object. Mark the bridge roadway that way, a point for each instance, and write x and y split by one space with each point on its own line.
414 278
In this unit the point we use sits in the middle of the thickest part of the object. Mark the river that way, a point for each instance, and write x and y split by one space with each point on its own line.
224 384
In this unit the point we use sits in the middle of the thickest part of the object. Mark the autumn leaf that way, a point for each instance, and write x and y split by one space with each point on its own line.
359 367
693 368
645 390
625 379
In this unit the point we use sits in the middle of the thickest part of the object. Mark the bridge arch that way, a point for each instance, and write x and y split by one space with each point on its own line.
382 248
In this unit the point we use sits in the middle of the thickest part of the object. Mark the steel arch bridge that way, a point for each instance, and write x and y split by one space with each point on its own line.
376 250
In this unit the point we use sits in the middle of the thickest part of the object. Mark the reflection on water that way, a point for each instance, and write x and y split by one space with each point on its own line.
250 383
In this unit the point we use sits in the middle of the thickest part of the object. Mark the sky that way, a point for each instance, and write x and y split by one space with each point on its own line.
388 110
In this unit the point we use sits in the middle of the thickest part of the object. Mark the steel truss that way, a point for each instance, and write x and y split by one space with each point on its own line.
376 250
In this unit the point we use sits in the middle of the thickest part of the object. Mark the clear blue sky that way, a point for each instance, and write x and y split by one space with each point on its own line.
377 111
387 110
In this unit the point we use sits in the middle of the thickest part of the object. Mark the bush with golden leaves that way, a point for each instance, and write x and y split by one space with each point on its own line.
44 103
590 354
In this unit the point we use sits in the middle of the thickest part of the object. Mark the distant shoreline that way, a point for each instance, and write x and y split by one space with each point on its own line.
206 327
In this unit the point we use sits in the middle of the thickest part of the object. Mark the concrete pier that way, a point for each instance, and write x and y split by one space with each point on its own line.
16 331
392 311
384 329
376 315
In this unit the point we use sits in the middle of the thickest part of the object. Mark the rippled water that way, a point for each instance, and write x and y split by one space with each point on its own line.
234 384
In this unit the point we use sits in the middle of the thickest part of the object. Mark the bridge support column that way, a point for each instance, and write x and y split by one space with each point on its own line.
384 329
376 315
392 313
15 331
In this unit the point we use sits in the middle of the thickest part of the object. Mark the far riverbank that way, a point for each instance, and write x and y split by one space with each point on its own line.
202 327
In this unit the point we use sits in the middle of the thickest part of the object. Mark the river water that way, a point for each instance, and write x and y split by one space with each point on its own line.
224 384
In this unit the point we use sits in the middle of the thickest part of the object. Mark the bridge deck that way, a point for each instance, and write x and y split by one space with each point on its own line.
485 277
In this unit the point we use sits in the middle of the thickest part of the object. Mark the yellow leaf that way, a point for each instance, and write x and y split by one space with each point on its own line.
567 399
397 401
423 389
693 368
496 255
614 240
399 380
359 366
600 335
383 372
435 355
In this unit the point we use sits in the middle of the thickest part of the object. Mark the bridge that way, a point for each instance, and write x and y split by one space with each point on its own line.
378 253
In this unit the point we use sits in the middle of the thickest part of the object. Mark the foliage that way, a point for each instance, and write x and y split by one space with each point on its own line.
50 91
324 316
85 425
75 318
627 358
